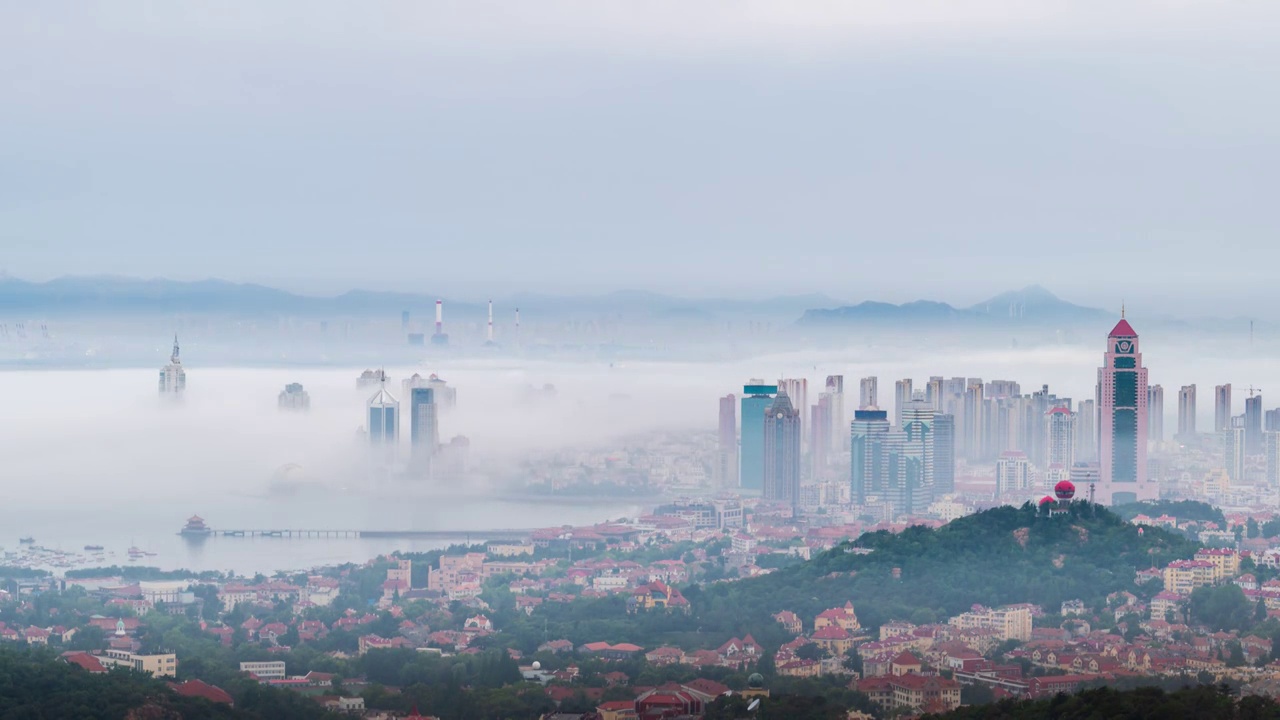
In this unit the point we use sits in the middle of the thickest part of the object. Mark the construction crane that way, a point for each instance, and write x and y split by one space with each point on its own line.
1253 389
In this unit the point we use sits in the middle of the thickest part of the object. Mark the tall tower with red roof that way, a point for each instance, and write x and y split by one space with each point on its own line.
1122 420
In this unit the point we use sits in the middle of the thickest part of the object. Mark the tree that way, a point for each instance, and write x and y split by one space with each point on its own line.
811 651
1251 529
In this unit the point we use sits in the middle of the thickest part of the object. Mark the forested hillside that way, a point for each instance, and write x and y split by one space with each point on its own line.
1198 703
1001 556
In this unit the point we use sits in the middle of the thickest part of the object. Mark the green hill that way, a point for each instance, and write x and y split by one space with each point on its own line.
1001 556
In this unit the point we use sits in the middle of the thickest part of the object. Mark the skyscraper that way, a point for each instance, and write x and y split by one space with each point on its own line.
917 423
1271 421
1122 403
820 434
974 421
1233 451
901 396
726 470
173 379
865 433
1060 426
797 389
944 454
1187 412
756 399
1086 431
1271 454
933 392
1222 408
839 429
867 399
424 425
384 418
1253 424
782 451
1155 415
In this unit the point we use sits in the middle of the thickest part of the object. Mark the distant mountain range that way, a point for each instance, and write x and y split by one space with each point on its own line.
1032 304
124 295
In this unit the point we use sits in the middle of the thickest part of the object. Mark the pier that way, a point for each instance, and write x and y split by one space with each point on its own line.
502 534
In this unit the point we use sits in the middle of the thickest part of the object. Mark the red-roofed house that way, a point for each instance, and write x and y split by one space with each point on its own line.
197 688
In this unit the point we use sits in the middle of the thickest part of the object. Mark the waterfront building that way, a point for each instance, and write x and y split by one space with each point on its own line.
867 390
1222 408
726 470
293 397
1122 405
1187 412
384 418
173 379
1155 415
756 399
782 451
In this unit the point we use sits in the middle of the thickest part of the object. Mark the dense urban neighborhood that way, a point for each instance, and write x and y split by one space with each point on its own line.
625 619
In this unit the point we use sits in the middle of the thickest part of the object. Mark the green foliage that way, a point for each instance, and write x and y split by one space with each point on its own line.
1222 608
133 572
1000 556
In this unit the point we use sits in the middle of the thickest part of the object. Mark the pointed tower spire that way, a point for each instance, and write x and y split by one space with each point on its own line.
175 348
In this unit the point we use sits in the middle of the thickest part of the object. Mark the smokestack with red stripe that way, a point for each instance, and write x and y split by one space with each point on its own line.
439 317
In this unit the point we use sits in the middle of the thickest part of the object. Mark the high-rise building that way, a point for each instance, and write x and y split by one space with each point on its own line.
424 425
1253 424
1122 404
756 399
867 394
1271 421
1187 412
1155 415
1013 473
384 418
1086 431
1060 427
865 432
173 379
839 429
944 454
726 470
782 451
445 397
293 397
901 396
1233 451
933 392
975 422
820 434
917 423
1222 408
1271 455
797 389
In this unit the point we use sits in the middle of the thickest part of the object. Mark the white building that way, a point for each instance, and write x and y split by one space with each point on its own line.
173 379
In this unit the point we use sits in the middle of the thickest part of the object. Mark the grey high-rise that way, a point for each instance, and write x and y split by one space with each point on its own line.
1253 425
782 451
865 432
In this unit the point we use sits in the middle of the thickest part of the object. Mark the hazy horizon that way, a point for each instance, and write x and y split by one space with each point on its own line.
865 151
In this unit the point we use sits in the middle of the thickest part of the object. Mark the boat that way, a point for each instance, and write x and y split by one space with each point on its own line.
94 548
135 552
27 540
195 527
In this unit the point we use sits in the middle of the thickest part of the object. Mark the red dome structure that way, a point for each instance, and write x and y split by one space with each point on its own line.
1046 500
1065 490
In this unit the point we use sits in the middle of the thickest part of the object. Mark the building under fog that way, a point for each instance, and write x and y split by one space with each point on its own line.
293 397
173 379
384 418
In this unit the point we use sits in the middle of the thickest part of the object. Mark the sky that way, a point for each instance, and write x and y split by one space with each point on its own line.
866 150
